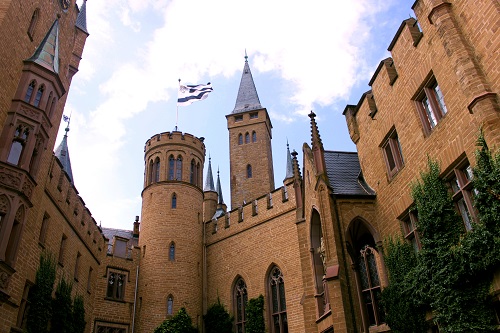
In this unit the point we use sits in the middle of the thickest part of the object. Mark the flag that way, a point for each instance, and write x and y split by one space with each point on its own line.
65 118
189 94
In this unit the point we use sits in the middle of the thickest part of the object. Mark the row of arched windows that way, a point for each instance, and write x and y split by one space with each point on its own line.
247 138
174 171
36 98
276 302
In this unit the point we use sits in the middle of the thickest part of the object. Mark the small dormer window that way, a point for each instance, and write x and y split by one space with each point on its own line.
254 115
238 118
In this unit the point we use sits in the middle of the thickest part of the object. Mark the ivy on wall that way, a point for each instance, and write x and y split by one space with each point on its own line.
255 315
217 319
180 323
451 275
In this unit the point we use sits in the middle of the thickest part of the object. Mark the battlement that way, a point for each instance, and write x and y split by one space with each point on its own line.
175 137
261 210
71 206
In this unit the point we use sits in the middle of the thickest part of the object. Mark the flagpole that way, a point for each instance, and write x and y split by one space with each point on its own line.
177 111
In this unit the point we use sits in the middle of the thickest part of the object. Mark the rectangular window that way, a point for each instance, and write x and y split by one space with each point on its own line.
116 285
393 154
238 118
460 180
89 280
254 115
120 247
62 249
77 266
101 327
269 201
23 307
409 224
430 105
43 230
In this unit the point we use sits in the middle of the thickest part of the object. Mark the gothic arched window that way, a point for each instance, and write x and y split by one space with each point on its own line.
254 136
171 167
249 171
171 252
277 302
193 179
29 91
240 299
370 285
247 137
16 149
174 200
170 305
178 168
150 173
240 139
157 169
38 96
33 23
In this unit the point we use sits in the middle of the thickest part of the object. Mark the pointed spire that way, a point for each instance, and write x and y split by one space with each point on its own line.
296 169
219 189
47 53
289 165
81 19
209 181
62 152
247 94
315 137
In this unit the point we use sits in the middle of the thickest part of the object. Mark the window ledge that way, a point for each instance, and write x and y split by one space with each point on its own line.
115 300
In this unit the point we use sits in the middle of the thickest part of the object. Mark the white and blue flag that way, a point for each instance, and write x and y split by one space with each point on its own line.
189 93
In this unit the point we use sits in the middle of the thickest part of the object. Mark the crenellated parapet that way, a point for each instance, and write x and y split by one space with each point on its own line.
261 210
64 196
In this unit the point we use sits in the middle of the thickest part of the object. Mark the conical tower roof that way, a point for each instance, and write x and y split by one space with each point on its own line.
81 19
219 190
62 154
209 181
47 53
289 164
247 94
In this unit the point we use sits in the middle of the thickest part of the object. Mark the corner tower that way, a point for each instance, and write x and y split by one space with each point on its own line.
251 159
171 229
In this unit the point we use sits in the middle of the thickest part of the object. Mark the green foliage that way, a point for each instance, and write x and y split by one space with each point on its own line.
452 274
403 312
78 315
40 298
180 323
62 309
217 319
255 315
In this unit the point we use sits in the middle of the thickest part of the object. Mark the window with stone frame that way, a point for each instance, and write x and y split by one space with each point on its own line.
240 300
62 249
33 23
157 170
277 302
24 306
116 285
370 286
195 173
103 327
170 305
178 168
254 136
38 96
89 280
14 237
171 167
410 232
393 155
29 91
430 104
18 142
247 137
249 171
171 251
77 266
44 229
174 201
460 180
240 139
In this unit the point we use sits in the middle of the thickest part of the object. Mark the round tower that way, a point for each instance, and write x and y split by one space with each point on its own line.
170 274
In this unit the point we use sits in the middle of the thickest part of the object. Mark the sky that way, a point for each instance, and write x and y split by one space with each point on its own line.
314 55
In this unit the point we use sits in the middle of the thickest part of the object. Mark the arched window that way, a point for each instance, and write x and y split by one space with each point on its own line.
193 179
15 235
171 252
20 136
178 168
277 302
171 167
240 300
38 96
247 137
49 101
240 139
33 23
318 254
29 91
157 169
174 200
370 285
249 171
52 107
200 175
254 136
170 305
151 172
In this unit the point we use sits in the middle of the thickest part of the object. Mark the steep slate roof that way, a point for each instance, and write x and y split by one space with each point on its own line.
47 53
81 19
344 173
247 99
219 190
209 181
62 153
110 234
289 165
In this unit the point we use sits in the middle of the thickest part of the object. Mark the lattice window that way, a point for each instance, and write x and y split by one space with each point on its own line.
240 303
279 320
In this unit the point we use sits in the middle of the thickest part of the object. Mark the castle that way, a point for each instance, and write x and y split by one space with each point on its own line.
311 245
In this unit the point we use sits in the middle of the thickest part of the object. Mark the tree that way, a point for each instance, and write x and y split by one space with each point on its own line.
180 323
78 315
255 315
40 297
62 309
217 319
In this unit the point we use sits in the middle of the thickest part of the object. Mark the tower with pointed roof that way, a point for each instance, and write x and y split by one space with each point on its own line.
250 134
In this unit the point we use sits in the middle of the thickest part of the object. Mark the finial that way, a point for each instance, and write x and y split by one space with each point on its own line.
246 57
67 120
